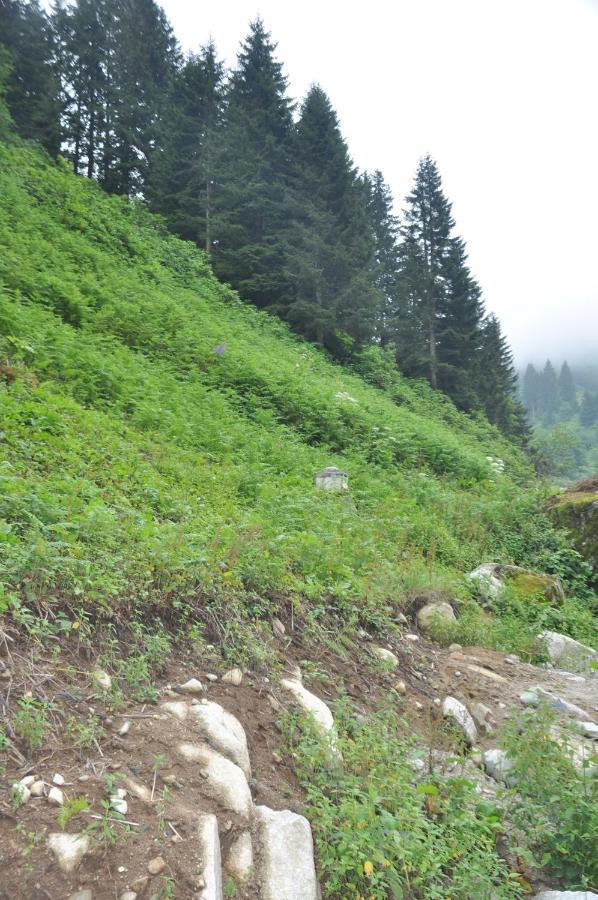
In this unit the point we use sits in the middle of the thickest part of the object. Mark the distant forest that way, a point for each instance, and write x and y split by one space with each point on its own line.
266 186
562 406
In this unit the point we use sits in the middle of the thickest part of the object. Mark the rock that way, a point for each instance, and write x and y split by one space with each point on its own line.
454 648
69 849
209 848
27 781
37 789
567 653
233 676
102 679
119 805
400 687
20 793
287 860
178 709
487 673
480 714
156 865
492 578
588 729
497 764
140 884
83 895
128 895
239 860
193 686
138 790
314 707
432 617
529 698
556 702
577 510
386 656
566 895
55 796
458 712
223 732
411 637
211 677
225 782
124 728
58 779
278 628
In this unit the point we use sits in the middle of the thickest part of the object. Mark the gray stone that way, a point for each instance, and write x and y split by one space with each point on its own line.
559 704
233 676
69 849
225 781
156 865
433 616
102 679
497 764
458 712
239 860
287 858
310 704
55 796
209 846
567 653
487 580
223 732
386 656
566 895
589 729
85 895
193 686
178 709
480 714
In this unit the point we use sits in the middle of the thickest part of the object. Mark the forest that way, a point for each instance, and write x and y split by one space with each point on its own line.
266 185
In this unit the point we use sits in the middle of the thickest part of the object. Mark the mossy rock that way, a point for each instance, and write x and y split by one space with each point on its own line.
577 510
530 585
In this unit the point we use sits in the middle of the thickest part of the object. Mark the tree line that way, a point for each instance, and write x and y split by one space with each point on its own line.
266 186
550 397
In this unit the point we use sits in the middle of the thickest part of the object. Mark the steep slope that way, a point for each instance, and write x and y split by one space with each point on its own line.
160 438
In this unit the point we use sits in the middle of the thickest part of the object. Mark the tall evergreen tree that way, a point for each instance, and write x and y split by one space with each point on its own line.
588 411
549 396
385 229
253 168
531 391
32 87
566 385
184 172
498 382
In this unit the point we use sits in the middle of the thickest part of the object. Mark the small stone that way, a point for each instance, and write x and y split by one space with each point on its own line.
124 728
418 705
169 779
69 849
529 698
128 895
457 674
140 790
119 805
437 701
121 870
497 764
140 884
156 865
56 796
179 710
411 637
400 687
512 658
20 792
211 677
233 676
84 894
589 729
278 628
58 779
239 860
481 714
102 679
454 648
27 780
37 789
386 656
192 686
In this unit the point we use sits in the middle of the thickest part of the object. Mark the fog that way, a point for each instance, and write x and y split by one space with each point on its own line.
502 93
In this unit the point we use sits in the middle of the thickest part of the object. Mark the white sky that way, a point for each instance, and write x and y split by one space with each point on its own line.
502 93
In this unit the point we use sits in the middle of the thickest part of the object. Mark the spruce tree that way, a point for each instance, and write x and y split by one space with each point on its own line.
566 386
498 383
531 391
549 395
184 174
32 85
385 229
253 171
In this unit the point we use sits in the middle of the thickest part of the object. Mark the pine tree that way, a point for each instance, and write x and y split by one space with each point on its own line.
549 396
385 229
32 86
184 174
253 167
566 386
498 383
588 411
531 390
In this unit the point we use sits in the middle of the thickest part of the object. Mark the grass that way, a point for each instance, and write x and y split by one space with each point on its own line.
140 470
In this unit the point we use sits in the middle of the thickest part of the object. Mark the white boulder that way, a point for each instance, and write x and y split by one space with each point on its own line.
566 653
224 781
434 615
223 732
69 849
458 712
209 846
239 860
287 870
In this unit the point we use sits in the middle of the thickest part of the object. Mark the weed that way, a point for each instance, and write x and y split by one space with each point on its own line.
84 733
31 722
70 809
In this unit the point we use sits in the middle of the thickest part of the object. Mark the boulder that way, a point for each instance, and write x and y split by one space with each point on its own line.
239 860
223 781
492 578
233 676
386 656
223 732
192 686
566 653
566 895
287 870
209 848
534 696
433 616
497 764
458 712
310 704
577 510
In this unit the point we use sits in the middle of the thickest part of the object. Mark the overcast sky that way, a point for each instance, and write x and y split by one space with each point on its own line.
504 95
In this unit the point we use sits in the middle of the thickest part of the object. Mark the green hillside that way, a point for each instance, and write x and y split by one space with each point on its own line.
141 469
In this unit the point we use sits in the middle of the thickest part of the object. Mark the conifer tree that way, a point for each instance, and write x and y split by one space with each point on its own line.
385 229
531 391
498 382
32 85
253 165
184 175
549 396
588 411
566 385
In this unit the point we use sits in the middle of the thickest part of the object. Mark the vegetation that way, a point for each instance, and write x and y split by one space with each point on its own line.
273 196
